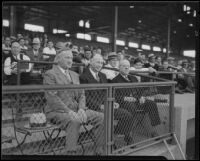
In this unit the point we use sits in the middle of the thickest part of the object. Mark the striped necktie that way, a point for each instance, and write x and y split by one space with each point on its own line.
97 77
68 76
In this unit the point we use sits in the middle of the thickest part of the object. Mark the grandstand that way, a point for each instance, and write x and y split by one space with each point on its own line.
139 32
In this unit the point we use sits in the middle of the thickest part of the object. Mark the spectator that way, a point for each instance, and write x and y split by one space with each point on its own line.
10 66
6 48
87 56
158 60
26 42
96 99
152 62
112 63
185 81
138 66
99 50
19 36
67 108
60 46
49 50
137 100
35 53
22 45
76 55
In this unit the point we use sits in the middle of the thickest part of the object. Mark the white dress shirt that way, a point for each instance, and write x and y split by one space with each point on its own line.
93 73
8 66
48 51
110 74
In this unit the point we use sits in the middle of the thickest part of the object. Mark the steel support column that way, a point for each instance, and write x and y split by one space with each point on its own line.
115 26
12 20
168 36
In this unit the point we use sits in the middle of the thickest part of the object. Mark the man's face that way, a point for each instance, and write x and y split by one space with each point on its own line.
22 42
15 48
88 54
36 46
152 60
7 41
138 65
159 59
65 59
99 51
96 63
124 68
165 65
113 62
50 44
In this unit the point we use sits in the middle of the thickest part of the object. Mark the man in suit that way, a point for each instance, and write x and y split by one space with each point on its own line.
95 99
131 99
35 53
67 107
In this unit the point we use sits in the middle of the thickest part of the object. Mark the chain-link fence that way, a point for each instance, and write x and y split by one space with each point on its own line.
144 112
34 120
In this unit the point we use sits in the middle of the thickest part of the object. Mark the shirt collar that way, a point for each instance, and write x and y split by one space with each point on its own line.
62 70
93 73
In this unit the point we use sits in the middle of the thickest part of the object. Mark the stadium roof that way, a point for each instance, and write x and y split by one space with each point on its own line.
138 22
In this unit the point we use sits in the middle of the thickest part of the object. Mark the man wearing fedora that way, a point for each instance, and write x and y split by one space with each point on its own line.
109 69
35 53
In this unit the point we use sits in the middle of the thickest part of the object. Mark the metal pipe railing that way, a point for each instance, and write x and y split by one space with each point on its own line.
88 86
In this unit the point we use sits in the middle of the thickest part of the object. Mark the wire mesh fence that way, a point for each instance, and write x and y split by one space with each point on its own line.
35 120
144 113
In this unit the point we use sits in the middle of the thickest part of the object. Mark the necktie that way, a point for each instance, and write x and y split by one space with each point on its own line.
97 77
68 76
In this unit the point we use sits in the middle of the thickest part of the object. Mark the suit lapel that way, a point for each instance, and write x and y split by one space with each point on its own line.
73 77
91 77
61 77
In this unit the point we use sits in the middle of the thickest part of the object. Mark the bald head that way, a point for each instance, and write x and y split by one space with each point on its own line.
64 59
124 67
96 63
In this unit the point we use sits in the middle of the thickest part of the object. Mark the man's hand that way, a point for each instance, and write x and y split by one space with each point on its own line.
14 71
152 70
102 107
82 115
116 105
74 116
142 100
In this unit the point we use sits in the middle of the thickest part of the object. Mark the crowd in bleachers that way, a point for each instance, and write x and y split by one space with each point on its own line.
42 48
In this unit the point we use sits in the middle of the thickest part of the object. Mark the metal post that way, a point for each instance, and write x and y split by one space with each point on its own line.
12 21
115 25
171 109
168 36
108 119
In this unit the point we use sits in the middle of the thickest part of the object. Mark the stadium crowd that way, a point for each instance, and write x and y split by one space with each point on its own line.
44 49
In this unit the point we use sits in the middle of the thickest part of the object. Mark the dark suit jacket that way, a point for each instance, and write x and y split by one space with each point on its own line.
120 93
31 55
94 98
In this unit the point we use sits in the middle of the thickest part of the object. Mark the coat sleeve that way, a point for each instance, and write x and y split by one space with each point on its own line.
53 100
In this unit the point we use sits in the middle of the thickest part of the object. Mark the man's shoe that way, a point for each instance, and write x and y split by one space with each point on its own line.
188 90
179 91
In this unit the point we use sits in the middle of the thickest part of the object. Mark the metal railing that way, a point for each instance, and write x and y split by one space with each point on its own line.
116 100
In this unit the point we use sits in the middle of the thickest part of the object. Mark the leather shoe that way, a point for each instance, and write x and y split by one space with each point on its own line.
179 91
188 90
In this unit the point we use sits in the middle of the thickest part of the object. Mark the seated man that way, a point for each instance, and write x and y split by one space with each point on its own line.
11 64
67 107
131 99
112 63
96 99
184 80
